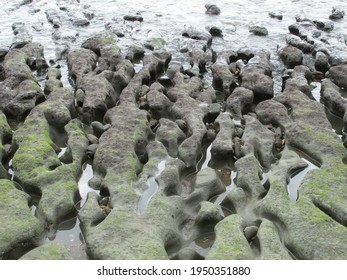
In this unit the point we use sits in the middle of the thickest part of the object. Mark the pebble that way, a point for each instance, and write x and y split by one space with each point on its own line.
212 10
337 14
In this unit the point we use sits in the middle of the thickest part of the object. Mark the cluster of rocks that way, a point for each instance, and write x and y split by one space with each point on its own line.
128 122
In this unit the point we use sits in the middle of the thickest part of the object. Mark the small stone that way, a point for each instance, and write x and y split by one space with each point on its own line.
98 128
133 18
107 127
79 96
3 51
212 10
213 111
258 30
88 14
250 232
216 31
81 22
92 139
291 56
325 26
276 15
91 150
337 13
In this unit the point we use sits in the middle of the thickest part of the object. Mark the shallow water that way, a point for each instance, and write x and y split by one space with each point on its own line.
83 185
295 181
165 21
151 190
68 232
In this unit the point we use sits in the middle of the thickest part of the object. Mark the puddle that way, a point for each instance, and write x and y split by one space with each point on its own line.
218 200
203 243
266 175
315 90
207 158
237 122
138 66
151 190
83 185
65 77
296 179
69 234
62 152
10 169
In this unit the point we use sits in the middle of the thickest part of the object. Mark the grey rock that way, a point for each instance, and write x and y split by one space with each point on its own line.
53 17
19 228
325 26
99 128
133 18
296 41
230 242
214 111
322 62
338 75
196 35
258 30
22 35
291 56
3 51
91 150
159 103
212 9
92 139
50 251
258 141
207 185
239 102
272 112
208 214
277 15
215 31
223 79
332 99
222 146
271 247
135 53
250 232
80 22
337 13
170 135
300 79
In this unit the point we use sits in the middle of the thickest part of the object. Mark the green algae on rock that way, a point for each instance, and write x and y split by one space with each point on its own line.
19 229
50 251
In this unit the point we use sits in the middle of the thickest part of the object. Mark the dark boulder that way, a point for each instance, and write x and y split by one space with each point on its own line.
212 10
322 62
338 74
258 30
291 56
337 13
277 15
133 18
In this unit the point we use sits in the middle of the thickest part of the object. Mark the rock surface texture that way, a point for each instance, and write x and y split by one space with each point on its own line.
210 152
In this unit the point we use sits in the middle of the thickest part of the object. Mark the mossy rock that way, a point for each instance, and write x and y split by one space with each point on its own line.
270 244
230 243
307 231
50 251
18 226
